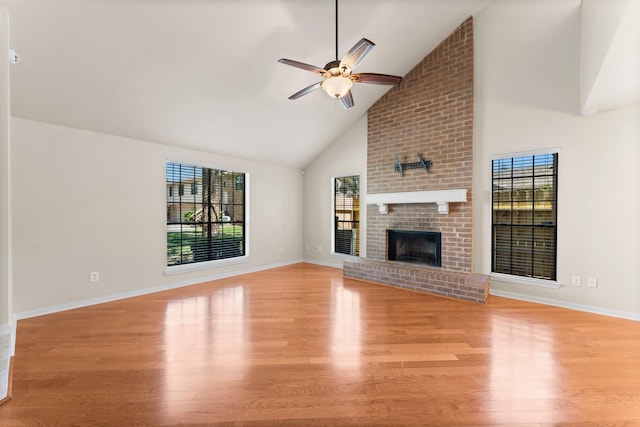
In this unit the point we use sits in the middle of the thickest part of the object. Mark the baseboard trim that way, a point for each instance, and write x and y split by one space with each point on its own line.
323 263
144 291
6 337
564 304
9 384
5 329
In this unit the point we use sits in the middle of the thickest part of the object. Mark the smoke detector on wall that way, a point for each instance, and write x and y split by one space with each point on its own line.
14 58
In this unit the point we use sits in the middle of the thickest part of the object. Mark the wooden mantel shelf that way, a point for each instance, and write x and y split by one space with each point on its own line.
441 197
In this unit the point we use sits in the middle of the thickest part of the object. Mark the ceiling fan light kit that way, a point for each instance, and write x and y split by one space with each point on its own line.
337 86
338 77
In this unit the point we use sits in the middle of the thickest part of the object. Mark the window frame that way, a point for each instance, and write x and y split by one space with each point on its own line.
515 278
334 212
208 264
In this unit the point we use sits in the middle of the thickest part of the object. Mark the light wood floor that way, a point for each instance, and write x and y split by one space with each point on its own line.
301 346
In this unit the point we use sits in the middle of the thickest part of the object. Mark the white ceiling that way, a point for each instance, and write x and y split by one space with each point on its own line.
616 75
203 74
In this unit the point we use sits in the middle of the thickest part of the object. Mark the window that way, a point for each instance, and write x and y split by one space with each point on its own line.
203 226
347 215
524 216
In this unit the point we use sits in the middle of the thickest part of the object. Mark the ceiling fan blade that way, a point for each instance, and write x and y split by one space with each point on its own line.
357 53
347 100
376 79
306 90
302 65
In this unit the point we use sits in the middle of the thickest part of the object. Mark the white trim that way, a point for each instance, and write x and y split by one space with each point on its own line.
139 292
443 208
528 281
332 220
247 214
343 257
564 304
435 196
5 329
539 152
198 266
333 207
10 329
324 263
5 359
541 283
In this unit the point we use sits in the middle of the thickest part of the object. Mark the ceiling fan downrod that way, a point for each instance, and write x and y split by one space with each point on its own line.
336 30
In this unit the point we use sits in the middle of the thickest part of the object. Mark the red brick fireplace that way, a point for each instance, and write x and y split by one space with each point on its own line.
430 113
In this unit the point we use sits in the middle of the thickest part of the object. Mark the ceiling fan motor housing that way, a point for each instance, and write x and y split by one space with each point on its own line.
334 68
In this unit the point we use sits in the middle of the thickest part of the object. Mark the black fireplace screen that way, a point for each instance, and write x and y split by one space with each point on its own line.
419 247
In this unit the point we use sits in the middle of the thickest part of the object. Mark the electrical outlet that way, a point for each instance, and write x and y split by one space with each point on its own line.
94 276
575 281
592 281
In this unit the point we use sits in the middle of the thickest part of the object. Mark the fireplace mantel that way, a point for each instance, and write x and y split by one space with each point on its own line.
441 197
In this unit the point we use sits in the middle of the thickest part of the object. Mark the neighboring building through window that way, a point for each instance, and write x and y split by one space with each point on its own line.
524 232
204 225
347 215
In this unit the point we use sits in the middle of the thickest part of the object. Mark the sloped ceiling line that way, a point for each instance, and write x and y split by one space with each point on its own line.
609 55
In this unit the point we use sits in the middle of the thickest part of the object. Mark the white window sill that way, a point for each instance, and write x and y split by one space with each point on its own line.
187 268
528 281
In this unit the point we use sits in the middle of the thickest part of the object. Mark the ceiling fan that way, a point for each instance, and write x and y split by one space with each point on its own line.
338 74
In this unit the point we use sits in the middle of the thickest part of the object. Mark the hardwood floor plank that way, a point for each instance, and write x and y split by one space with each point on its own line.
301 346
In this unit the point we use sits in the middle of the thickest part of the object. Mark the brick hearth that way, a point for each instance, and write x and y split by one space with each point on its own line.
447 283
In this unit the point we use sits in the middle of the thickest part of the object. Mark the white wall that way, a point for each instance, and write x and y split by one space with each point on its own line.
7 324
610 36
527 98
346 156
5 277
86 202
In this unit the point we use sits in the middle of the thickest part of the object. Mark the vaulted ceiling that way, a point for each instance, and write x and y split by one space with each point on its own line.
203 74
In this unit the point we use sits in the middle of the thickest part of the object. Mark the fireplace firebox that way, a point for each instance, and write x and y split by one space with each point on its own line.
418 247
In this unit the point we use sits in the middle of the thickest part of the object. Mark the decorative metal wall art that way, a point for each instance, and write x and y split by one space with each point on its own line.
421 163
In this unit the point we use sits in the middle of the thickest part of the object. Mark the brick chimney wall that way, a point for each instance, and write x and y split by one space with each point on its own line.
430 112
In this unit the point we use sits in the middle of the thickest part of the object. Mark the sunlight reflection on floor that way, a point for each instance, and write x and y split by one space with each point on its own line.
346 328
523 371
214 329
